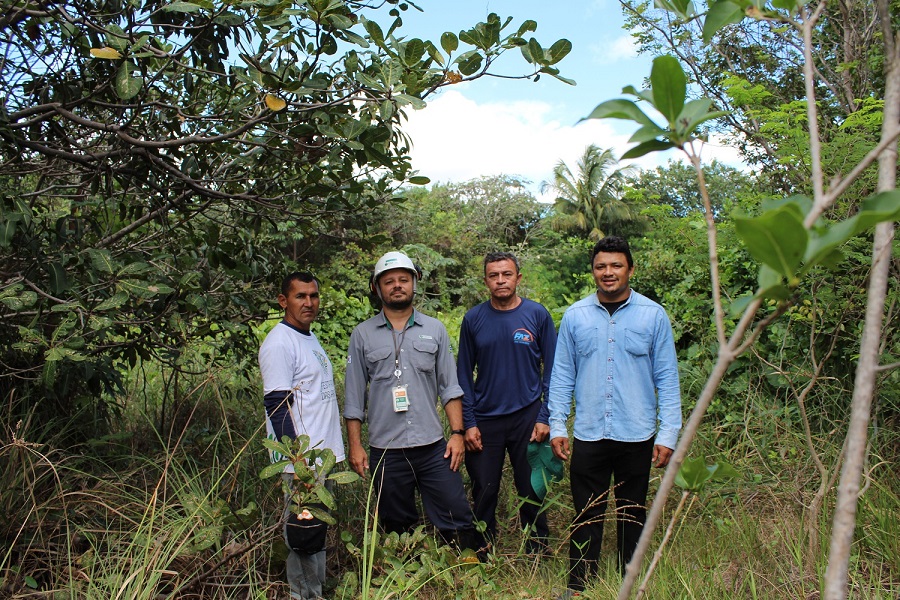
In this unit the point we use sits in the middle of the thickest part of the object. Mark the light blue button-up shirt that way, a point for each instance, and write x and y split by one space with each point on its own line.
622 370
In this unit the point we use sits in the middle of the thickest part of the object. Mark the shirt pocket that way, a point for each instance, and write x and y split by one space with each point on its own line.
637 343
586 341
424 355
379 363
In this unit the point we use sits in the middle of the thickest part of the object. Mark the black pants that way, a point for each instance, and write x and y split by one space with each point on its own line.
593 464
399 472
499 435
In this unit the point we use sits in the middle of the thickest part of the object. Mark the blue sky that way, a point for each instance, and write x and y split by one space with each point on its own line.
517 127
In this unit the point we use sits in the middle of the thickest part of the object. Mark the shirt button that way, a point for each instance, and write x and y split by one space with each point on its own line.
610 340
409 422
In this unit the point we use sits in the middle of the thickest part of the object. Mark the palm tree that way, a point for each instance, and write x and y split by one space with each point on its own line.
592 200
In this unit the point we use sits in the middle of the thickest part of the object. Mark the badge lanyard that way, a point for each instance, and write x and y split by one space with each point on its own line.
400 397
397 371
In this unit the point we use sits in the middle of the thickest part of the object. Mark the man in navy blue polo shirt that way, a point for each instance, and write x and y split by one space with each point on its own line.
510 341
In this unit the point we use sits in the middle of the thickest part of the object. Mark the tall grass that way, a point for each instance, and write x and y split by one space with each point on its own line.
180 512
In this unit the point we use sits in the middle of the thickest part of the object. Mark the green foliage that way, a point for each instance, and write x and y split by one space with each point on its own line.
667 94
312 467
164 159
695 474
409 564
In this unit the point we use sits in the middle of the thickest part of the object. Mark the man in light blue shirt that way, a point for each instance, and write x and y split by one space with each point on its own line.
616 355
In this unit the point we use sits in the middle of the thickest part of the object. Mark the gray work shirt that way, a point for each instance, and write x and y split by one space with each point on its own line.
426 367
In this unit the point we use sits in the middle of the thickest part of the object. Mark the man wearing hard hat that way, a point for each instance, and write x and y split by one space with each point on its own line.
398 366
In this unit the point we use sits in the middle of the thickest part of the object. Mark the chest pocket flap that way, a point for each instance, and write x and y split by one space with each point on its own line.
380 362
425 355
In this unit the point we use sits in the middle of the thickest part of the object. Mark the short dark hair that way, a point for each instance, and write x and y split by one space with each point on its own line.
498 256
612 243
303 276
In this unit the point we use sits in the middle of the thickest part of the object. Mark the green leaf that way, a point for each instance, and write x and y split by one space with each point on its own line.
536 52
771 284
620 109
113 302
884 206
525 27
789 5
449 42
7 231
419 180
434 53
135 268
469 63
115 37
669 87
558 51
101 260
413 51
646 133
693 474
127 86
342 477
58 353
739 305
720 14
325 497
647 148
776 238
273 469
417 103
59 283
182 7
375 32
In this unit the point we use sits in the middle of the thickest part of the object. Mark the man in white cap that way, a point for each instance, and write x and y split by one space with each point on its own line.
398 366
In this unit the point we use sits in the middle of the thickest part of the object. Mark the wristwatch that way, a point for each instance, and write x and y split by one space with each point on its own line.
461 432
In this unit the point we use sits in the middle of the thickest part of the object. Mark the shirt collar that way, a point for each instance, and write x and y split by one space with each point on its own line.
627 300
410 323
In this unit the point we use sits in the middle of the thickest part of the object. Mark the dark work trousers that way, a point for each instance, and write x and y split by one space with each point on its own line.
499 435
592 466
399 472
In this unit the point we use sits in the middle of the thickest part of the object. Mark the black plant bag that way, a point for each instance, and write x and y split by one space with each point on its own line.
306 536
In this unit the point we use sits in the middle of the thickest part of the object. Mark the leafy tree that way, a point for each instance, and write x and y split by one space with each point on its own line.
160 159
791 239
591 199
674 185
754 71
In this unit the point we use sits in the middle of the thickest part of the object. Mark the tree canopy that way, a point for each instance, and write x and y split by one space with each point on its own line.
157 156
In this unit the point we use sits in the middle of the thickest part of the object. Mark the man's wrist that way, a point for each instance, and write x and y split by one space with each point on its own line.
461 432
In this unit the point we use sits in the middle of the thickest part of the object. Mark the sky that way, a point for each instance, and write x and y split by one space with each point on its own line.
495 126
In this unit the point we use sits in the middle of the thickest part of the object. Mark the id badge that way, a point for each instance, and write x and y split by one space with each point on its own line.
401 400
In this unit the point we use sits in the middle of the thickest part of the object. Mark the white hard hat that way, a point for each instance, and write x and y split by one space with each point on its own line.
394 260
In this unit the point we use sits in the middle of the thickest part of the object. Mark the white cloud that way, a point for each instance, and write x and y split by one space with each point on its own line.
456 139
609 51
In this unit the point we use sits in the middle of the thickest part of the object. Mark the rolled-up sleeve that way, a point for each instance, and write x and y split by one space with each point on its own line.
447 383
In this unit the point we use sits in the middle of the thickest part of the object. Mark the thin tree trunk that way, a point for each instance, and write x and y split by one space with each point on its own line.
837 573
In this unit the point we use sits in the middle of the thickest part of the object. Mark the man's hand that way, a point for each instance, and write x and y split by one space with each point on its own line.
359 460
560 447
540 432
456 451
473 440
661 455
